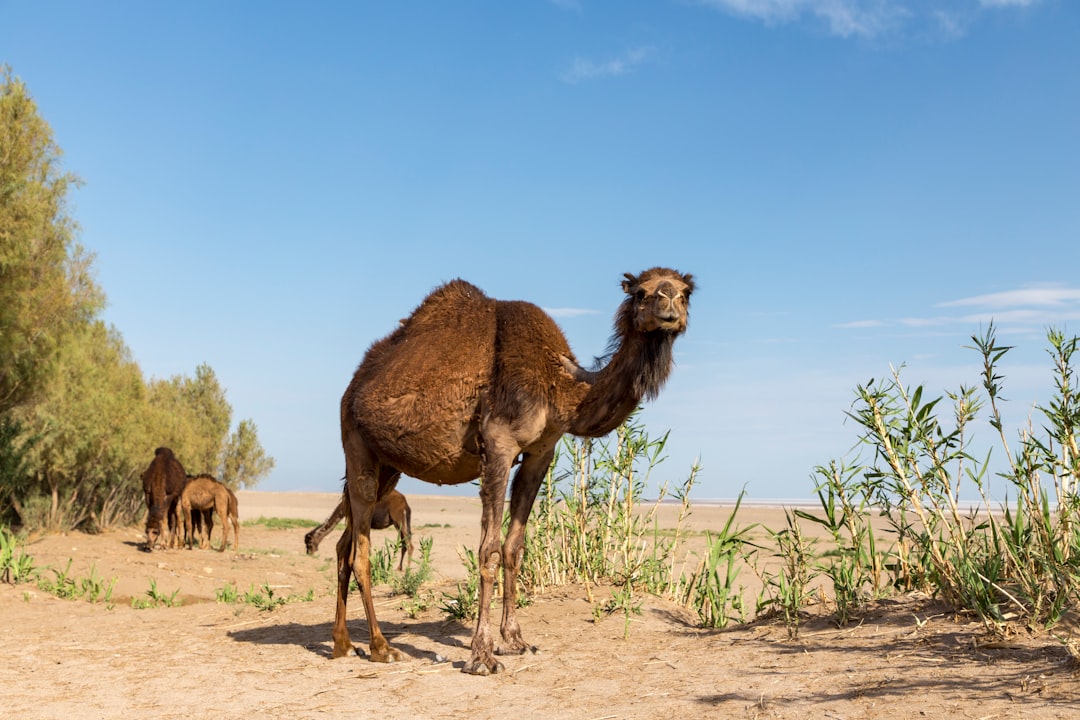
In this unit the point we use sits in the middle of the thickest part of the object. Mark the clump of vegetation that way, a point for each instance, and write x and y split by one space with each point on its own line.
155 598
265 598
16 565
1017 561
463 603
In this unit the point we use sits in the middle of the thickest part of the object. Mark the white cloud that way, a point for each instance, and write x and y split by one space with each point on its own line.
583 69
1024 308
868 18
569 312
1008 3
855 324
1043 296
845 18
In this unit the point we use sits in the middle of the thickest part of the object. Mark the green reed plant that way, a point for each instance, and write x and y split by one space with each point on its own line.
710 590
855 565
591 523
787 590
1016 560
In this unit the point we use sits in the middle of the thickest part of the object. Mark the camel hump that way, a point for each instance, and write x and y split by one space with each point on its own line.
448 301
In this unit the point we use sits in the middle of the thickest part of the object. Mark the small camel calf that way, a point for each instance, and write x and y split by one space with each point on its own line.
391 509
205 494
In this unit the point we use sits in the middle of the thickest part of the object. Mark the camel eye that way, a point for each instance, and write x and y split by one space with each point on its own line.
640 295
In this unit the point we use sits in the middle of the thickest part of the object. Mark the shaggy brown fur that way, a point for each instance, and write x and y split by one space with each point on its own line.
393 509
203 493
462 388
163 481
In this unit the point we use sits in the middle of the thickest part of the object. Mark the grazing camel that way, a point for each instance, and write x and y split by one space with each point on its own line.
163 481
391 509
203 493
460 390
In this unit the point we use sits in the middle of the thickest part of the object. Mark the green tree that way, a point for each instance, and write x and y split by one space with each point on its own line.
46 288
192 416
89 429
78 422
244 461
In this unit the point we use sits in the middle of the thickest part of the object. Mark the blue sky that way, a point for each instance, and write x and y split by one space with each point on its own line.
270 186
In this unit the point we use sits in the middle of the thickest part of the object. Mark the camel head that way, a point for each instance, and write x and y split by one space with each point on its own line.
659 300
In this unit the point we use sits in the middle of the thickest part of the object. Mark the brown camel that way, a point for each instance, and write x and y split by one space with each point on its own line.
391 509
203 493
461 389
163 481
201 519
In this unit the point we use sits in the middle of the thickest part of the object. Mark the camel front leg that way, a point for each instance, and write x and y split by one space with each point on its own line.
492 496
523 491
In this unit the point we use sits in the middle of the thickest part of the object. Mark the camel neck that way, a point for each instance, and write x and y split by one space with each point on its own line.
637 369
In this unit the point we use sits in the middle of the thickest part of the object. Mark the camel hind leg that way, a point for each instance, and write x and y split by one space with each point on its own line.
363 478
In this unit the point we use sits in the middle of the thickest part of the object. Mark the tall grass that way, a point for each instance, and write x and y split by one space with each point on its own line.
895 519
593 525
1014 560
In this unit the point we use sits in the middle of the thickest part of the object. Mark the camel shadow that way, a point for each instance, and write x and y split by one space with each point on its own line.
316 638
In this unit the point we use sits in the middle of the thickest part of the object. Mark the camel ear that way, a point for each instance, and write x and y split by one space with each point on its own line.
689 280
629 284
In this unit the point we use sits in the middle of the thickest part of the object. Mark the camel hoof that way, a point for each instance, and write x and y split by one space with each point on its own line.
479 667
516 649
389 655
340 652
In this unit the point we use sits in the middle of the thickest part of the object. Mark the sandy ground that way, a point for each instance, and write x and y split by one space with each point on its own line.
66 658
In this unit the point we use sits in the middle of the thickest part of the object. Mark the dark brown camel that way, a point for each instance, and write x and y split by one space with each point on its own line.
391 509
203 493
462 388
163 481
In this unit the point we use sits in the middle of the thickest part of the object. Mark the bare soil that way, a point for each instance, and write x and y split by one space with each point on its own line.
65 658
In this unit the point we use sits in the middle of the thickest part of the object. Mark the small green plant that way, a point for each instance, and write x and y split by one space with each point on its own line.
62 585
382 563
410 581
263 599
155 598
463 604
16 566
787 590
622 601
94 588
228 594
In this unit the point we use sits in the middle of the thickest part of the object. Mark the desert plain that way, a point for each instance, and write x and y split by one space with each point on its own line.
904 657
